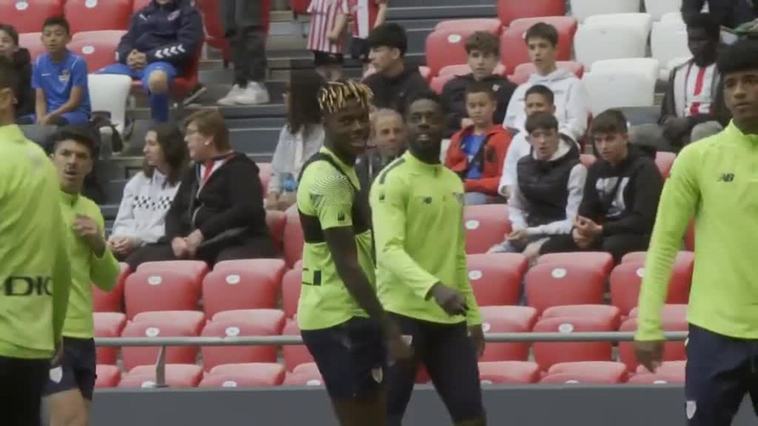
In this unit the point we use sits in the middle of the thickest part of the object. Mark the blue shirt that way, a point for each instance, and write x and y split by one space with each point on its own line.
471 146
58 79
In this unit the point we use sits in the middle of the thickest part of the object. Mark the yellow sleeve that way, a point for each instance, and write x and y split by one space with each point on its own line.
61 269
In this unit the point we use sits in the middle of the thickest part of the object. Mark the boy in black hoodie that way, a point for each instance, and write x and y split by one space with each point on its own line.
620 195
22 62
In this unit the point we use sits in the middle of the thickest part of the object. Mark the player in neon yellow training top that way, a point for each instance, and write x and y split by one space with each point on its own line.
422 279
71 384
714 180
34 271
342 322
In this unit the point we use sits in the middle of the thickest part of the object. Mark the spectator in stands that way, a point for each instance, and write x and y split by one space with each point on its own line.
483 51
620 197
329 20
141 218
217 213
245 28
60 79
365 16
571 98
389 140
300 138
163 39
548 189
477 152
394 81
727 13
694 100
22 62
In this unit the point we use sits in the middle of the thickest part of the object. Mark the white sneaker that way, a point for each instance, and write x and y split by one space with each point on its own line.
231 98
254 94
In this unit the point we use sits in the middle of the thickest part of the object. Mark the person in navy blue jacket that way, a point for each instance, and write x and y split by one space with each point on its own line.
162 40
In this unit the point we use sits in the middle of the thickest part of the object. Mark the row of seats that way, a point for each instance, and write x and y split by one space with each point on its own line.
509 10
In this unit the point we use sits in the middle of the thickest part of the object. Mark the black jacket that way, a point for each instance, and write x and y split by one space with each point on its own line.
625 198
728 13
454 96
231 198
25 96
394 93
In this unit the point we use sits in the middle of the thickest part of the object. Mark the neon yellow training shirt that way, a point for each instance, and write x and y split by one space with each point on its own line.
86 268
417 211
328 196
716 181
34 269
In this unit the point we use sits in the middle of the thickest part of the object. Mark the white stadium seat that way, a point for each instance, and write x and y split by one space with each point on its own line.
668 41
599 41
642 22
672 17
621 83
109 92
581 9
658 8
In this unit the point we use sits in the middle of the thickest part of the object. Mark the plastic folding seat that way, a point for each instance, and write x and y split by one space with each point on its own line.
164 290
639 257
110 93
508 372
626 280
249 375
610 314
582 9
522 71
658 8
496 278
641 22
513 48
438 83
664 161
212 21
507 319
247 284
264 174
196 268
304 375
32 42
672 16
509 10
668 41
28 16
626 83
553 285
591 43
162 324
463 69
98 48
94 15
485 225
548 353
108 376
594 372
447 46
291 283
276 221
598 259
667 372
111 301
240 327
491 25
270 318
673 318
177 376
294 355
293 237
108 324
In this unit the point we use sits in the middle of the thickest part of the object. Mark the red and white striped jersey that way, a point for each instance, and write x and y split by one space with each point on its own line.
324 15
364 16
698 89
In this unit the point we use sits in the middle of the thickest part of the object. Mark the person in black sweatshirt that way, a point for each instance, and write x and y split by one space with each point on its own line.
394 82
621 195
22 62
217 213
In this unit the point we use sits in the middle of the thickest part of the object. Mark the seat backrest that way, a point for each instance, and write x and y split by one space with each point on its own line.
485 226
668 41
496 278
623 88
98 48
491 25
93 15
509 10
595 42
641 22
33 43
582 9
242 288
553 285
27 16
438 83
513 48
446 47
658 8
110 92
160 291
134 356
218 355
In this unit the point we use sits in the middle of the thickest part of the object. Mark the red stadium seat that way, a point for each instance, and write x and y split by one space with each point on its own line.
598 260
438 83
276 221
553 285
293 237
587 160
239 327
486 225
548 354
522 72
689 237
271 318
508 372
507 319
162 324
264 174
139 5
196 268
214 26
673 319
304 375
513 48
664 161
164 290
108 376
608 313
108 324
177 376
249 375
98 48
509 10
671 311
294 355
28 16
447 47
463 69
594 372
667 372
246 284
113 300
640 256
32 42
626 280
491 25
94 15
496 278
291 290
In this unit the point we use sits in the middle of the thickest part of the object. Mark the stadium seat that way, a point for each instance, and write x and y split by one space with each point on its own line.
689 237
595 259
161 291
196 268
658 8
275 221
673 318
486 225
107 376
249 375
304 375
177 376
626 279
507 319
522 72
291 291
547 354
294 355
110 93
28 16
669 372
447 47
264 174
508 372
675 16
591 43
240 327
273 319
594 372
509 10
513 48
607 313
438 83
243 284
641 22
111 301
463 69
94 15
668 41
664 161
293 237
553 285
32 42
108 324
98 48
621 83
214 30
639 257
491 25
496 278
162 324
140 4
582 9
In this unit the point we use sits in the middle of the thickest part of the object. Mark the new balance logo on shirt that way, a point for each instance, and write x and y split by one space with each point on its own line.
726 177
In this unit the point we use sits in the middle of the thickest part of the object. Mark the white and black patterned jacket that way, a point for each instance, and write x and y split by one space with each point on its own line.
142 214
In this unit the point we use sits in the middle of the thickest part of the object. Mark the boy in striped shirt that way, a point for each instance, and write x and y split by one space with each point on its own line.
328 23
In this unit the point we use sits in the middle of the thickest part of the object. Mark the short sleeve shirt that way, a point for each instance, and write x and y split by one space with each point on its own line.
57 79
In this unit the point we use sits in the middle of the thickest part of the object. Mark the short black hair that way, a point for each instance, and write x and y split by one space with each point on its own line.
707 22
390 35
79 134
8 75
11 31
741 56
609 121
542 121
543 31
481 87
539 89
59 20
425 95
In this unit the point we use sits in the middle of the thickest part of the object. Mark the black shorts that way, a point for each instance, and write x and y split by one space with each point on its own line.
360 49
77 369
351 357
720 370
21 384
321 59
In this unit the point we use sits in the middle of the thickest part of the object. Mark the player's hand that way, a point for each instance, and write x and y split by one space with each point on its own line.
449 299
466 122
476 334
87 229
179 247
649 354
58 355
333 37
396 345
